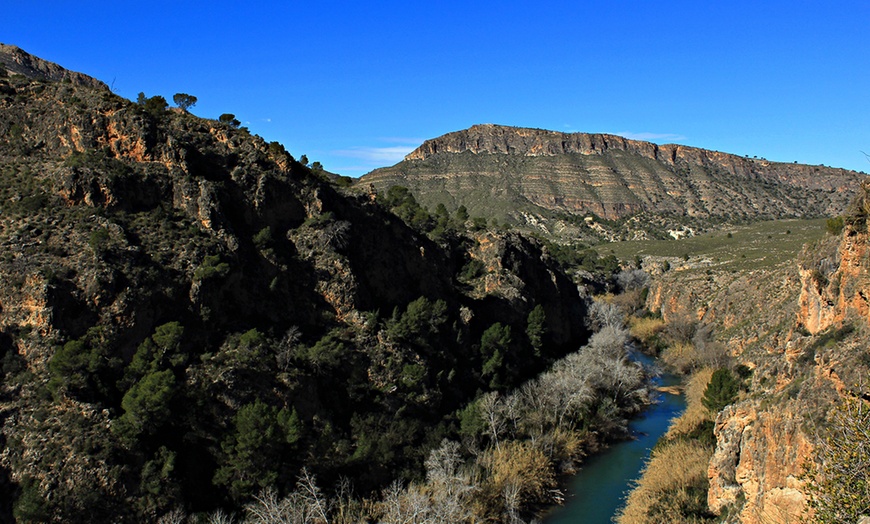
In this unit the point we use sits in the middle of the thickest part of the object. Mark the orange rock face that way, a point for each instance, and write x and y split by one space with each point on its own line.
758 461
832 293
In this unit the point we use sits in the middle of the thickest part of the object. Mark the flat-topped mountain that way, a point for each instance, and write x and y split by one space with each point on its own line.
522 175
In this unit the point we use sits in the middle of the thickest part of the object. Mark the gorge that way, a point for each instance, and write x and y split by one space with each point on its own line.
195 324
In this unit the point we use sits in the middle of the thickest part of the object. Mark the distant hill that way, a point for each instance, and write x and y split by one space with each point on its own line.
530 177
18 61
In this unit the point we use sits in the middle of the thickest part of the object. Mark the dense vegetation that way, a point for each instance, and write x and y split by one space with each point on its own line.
195 322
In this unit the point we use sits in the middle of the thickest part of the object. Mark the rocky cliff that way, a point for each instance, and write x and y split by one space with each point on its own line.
509 173
18 61
801 328
188 315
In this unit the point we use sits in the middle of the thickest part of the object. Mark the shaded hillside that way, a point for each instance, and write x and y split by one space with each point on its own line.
188 315
537 178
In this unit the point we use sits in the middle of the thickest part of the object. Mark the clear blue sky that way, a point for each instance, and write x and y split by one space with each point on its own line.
356 85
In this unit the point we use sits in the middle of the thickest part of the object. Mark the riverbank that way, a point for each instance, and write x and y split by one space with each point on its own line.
597 491
673 485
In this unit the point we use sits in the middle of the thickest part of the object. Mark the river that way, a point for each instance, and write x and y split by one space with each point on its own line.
599 488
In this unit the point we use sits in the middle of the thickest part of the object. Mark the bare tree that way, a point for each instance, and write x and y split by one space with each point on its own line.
405 506
450 485
491 409
311 497
268 508
632 279
603 314
175 516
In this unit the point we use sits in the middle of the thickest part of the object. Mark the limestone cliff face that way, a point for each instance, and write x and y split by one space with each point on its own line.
503 171
798 327
757 464
835 287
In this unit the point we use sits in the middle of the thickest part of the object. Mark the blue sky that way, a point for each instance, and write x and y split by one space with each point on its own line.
356 85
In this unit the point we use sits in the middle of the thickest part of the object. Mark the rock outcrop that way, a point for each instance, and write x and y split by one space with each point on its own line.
18 61
800 328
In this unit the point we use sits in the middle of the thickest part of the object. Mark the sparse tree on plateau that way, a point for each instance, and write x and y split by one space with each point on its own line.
184 101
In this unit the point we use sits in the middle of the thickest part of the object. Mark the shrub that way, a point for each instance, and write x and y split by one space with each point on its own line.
721 391
839 484
211 267
99 240
834 226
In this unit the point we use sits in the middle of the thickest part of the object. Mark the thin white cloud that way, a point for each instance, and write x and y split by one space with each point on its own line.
656 137
376 155
403 140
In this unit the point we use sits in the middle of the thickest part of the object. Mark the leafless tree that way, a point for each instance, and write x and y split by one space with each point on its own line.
311 497
603 314
219 516
492 410
405 505
175 516
450 485
632 279
512 501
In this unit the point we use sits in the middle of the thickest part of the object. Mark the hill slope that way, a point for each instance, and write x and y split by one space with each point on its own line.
523 175
188 315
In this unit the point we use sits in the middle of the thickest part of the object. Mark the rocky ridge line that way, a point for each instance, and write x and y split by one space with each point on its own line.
18 61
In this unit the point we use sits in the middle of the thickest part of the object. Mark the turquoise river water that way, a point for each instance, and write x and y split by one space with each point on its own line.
599 488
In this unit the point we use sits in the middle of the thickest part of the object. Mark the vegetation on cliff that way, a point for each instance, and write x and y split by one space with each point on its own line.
799 323
193 321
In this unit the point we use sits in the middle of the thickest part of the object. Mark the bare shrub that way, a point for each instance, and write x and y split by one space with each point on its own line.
405 505
680 356
695 413
645 328
681 329
175 516
710 352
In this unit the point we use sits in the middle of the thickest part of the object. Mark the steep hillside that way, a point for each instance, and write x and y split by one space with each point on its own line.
188 315
553 181
801 327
